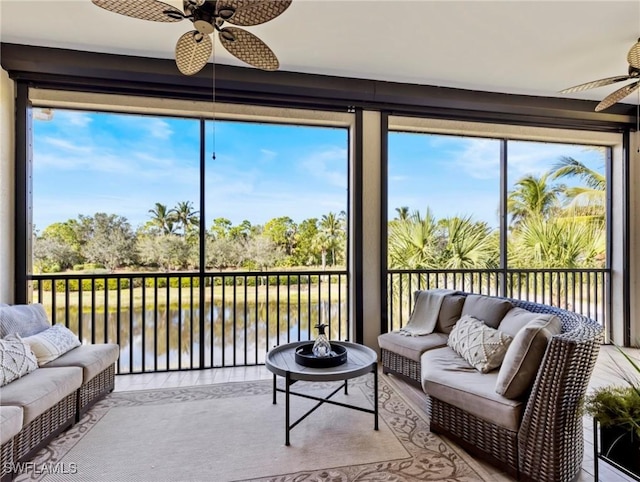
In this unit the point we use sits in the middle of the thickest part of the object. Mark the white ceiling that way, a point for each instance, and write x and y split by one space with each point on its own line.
520 47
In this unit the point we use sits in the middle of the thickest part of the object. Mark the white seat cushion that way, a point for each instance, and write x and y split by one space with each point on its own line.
93 359
41 389
449 378
411 347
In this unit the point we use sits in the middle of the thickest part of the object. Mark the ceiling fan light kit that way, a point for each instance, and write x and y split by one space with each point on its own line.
195 47
633 59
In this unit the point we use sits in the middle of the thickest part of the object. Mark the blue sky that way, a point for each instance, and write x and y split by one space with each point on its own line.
458 176
88 162
95 162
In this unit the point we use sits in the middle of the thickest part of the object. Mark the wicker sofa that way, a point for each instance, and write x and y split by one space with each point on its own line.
539 435
42 403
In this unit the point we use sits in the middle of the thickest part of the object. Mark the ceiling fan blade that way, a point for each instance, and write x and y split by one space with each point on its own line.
250 12
633 57
617 96
596 83
192 52
248 48
144 9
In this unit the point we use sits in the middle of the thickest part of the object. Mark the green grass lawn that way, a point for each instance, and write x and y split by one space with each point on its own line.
175 296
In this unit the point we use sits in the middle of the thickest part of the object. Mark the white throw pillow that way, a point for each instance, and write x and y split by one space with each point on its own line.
16 359
52 343
482 346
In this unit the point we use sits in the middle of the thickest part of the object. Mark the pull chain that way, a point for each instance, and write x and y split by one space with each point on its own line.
213 99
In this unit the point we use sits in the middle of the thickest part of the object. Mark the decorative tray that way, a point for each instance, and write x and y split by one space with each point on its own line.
305 356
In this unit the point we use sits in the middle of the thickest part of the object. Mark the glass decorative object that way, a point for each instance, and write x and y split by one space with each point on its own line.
321 347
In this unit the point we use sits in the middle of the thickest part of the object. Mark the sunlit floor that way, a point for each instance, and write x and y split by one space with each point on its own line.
604 374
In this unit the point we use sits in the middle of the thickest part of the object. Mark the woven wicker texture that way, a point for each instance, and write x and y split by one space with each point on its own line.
399 365
45 426
549 445
95 388
633 57
550 439
144 9
252 12
6 457
484 437
249 48
192 52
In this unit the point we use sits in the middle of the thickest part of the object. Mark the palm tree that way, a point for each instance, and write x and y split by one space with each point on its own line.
403 213
590 197
332 229
559 243
163 218
467 244
321 243
186 216
412 242
533 196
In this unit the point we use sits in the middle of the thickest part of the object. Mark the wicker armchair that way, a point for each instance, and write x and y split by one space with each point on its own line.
551 440
549 444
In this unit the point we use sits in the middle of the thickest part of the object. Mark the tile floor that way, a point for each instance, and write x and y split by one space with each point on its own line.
603 375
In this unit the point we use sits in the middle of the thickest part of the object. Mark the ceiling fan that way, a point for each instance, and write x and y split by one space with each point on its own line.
194 48
633 58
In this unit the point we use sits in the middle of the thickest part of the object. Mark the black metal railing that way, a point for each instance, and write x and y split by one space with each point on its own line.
583 291
181 321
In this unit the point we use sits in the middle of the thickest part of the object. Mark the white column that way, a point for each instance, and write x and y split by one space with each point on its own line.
371 227
7 152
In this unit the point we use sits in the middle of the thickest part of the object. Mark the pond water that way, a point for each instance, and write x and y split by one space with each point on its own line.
168 338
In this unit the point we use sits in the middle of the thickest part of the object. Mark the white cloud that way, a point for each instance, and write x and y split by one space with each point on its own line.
158 128
536 157
268 155
328 165
146 158
480 159
227 181
398 178
135 164
66 145
106 163
73 118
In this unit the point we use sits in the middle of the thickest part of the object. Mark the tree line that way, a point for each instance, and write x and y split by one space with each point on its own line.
170 241
550 225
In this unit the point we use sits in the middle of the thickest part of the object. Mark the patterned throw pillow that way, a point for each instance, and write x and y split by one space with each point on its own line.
16 359
482 346
52 343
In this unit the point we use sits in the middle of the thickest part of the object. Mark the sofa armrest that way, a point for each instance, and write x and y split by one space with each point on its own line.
550 439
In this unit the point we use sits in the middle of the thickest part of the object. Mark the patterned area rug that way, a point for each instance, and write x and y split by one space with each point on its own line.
232 431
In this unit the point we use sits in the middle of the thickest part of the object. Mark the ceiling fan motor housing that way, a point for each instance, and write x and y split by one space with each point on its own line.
204 18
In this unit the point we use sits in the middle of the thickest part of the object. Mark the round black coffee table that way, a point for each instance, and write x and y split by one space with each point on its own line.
360 361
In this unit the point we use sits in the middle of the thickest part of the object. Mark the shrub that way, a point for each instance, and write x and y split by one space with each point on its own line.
174 282
615 407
